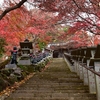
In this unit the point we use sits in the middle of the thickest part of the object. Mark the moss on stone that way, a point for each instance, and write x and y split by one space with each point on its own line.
3 84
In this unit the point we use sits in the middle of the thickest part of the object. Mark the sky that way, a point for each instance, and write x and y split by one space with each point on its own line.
1 1
26 4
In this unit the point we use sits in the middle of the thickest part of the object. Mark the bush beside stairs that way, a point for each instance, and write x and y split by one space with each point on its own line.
56 82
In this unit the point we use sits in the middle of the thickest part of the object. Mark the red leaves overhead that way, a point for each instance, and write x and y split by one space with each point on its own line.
37 22
96 39
70 11
11 26
81 37
34 30
77 27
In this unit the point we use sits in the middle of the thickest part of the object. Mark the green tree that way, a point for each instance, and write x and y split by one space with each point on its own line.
42 45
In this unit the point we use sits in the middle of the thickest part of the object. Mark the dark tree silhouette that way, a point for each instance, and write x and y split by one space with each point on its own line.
12 8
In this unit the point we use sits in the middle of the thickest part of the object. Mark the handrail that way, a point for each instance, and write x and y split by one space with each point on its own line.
84 66
67 54
89 69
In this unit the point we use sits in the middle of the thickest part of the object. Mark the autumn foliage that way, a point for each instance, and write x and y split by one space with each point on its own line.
46 20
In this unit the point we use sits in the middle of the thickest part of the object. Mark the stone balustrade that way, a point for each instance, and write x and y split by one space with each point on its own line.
87 65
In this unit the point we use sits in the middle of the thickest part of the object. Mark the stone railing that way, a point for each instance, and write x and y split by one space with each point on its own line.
87 65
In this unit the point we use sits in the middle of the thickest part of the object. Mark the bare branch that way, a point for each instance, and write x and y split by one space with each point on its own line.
12 8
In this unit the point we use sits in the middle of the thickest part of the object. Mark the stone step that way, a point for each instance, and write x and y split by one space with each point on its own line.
55 89
54 83
57 79
55 86
57 82
56 76
61 81
54 80
53 95
60 74
51 98
50 91
46 98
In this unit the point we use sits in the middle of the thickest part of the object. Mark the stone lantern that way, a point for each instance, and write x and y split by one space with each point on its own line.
26 48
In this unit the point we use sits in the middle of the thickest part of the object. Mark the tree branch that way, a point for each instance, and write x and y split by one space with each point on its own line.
12 8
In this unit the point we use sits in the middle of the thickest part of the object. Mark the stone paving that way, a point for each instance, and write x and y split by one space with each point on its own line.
57 82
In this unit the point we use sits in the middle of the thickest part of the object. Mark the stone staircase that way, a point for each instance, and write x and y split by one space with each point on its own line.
57 82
